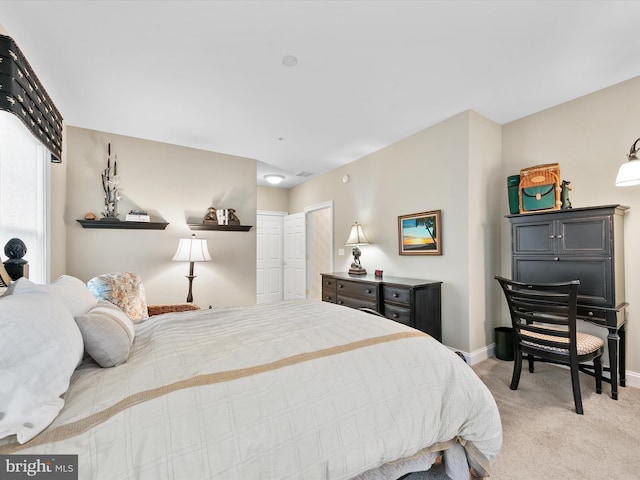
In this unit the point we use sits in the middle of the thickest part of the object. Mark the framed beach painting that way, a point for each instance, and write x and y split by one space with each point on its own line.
420 233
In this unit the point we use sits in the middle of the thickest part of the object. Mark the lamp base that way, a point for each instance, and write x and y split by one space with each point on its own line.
357 270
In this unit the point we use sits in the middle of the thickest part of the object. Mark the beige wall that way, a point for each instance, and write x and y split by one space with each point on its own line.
174 184
430 170
58 195
589 137
273 199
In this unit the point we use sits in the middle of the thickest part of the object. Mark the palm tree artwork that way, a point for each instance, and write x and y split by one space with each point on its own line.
420 233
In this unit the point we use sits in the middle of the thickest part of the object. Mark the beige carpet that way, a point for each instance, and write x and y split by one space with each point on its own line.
545 439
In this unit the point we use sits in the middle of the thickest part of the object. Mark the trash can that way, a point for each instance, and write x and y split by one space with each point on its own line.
513 182
504 343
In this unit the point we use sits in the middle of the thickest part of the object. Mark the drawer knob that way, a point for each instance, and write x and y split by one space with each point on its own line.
590 314
340 285
368 291
552 236
395 295
395 315
555 259
559 236
340 302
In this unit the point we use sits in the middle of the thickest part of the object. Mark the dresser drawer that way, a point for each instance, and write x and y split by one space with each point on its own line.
329 295
594 315
399 314
397 295
357 289
354 302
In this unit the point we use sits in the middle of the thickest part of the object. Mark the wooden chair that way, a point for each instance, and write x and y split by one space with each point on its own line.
543 316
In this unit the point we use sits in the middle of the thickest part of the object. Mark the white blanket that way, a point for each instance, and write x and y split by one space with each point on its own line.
297 390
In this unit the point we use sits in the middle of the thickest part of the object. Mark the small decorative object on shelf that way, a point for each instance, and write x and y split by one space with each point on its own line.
137 216
378 273
110 182
232 218
226 216
564 195
90 216
210 218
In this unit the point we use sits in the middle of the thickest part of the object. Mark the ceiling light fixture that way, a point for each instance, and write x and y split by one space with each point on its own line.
289 61
274 179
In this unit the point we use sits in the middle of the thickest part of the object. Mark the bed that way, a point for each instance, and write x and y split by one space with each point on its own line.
295 390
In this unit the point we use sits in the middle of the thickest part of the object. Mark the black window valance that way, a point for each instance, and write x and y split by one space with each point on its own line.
22 94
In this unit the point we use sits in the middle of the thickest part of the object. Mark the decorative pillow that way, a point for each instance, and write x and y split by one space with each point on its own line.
124 290
40 347
107 333
73 293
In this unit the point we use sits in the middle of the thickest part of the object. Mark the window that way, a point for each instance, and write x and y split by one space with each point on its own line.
24 194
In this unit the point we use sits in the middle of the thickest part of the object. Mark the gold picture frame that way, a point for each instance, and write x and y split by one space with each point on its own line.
420 233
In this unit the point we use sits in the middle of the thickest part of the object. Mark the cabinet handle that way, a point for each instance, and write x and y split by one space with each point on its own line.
395 295
552 236
558 236
340 285
555 259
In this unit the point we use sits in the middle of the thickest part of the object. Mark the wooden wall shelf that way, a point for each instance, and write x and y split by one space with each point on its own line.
124 225
227 228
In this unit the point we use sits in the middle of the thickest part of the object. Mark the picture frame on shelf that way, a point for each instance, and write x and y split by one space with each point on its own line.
420 233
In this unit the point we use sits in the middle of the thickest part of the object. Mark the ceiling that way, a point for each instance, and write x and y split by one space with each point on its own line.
209 74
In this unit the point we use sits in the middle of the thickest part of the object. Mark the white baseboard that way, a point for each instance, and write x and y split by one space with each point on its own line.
632 378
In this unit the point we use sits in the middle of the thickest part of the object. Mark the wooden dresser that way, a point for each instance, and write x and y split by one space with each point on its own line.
406 300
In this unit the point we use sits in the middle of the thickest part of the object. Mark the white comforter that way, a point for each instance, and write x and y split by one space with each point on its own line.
297 390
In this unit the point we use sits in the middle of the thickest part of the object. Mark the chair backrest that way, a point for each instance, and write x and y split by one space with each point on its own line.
543 314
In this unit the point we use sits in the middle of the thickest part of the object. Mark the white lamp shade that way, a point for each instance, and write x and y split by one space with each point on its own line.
192 250
629 174
357 236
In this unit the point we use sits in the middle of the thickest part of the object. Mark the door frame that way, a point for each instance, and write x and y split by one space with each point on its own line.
307 210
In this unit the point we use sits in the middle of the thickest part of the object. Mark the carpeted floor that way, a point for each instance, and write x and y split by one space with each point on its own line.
545 439
543 436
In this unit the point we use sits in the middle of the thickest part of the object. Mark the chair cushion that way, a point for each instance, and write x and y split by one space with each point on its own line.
124 290
586 343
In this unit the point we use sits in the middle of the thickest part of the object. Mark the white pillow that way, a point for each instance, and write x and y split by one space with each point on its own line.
107 333
71 291
40 347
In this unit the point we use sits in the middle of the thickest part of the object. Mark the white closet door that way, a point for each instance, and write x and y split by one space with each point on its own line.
295 256
269 257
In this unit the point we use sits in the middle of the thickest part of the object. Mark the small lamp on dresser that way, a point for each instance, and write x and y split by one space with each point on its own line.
357 238
192 250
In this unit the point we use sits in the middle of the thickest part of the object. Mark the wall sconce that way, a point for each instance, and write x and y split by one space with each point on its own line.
273 178
192 250
356 238
629 173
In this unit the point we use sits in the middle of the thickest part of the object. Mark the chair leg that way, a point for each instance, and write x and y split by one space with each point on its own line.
597 367
517 369
575 382
530 359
